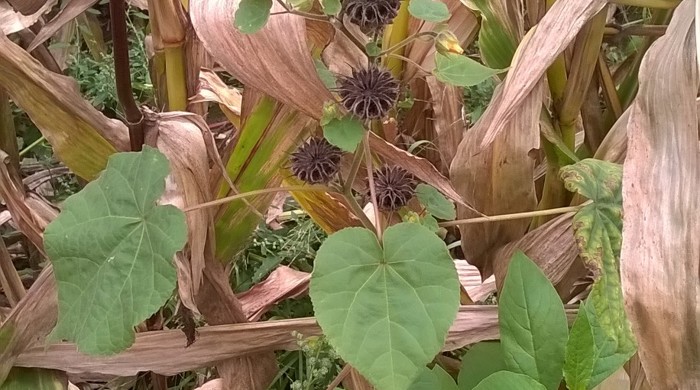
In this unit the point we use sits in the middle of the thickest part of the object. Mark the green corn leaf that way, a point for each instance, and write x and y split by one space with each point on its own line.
429 10
598 230
482 360
361 289
112 248
532 322
498 38
252 15
461 70
21 378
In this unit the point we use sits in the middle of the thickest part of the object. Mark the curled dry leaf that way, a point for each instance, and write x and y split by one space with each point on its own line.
65 15
278 57
179 136
470 279
12 21
660 258
81 136
283 283
550 37
497 181
212 89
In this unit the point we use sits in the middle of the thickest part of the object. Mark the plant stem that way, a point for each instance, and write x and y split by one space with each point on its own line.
31 146
372 189
407 41
354 168
122 72
307 15
508 217
341 27
231 198
176 79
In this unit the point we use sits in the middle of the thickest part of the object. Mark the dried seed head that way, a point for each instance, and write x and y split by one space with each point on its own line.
369 93
394 186
316 161
371 15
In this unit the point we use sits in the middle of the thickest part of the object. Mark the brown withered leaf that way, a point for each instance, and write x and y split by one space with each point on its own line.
470 279
65 15
497 180
163 352
214 384
27 7
660 257
550 37
281 284
448 123
80 135
212 89
179 136
12 21
355 381
278 56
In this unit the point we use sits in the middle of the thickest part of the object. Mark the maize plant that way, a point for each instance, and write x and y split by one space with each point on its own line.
505 188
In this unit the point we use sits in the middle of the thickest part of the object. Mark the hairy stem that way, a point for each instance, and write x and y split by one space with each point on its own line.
372 189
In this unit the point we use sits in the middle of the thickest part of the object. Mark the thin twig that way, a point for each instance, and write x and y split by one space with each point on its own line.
508 217
307 15
407 41
354 168
372 189
339 25
228 199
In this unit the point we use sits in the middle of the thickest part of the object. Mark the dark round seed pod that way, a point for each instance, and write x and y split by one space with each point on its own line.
316 161
394 186
371 15
369 93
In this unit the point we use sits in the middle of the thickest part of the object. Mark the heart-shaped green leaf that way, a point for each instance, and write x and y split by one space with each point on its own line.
435 379
461 70
345 133
435 202
532 322
112 249
252 15
386 310
429 10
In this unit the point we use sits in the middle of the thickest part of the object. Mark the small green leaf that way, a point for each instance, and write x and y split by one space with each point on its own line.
430 222
598 230
461 70
331 7
112 249
429 10
21 378
580 353
372 49
532 322
480 361
506 380
324 74
252 15
360 291
435 379
345 133
435 202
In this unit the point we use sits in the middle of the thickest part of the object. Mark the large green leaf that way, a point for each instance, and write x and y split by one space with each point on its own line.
435 379
459 70
482 360
598 230
252 15
112 249
386 309
506 380
532 322
21 378
498 39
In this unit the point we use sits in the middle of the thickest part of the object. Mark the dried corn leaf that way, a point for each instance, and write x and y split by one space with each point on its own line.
281 284
81 136
212 89
278 60
12 21
65 15
660 251
551 36
497 180
164 351
27 7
